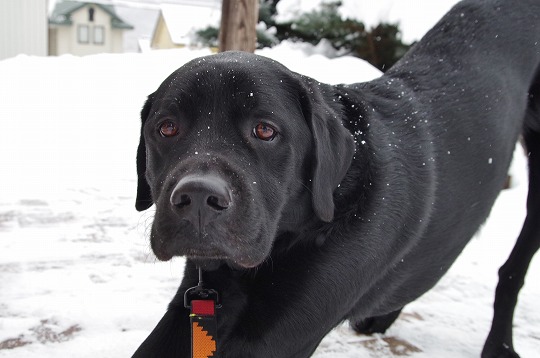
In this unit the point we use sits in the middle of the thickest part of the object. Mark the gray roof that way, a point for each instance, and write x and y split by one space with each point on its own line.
61 14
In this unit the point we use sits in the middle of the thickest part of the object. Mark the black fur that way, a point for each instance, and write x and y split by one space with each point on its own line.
365 197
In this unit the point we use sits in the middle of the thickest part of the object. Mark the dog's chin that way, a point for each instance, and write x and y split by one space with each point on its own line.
211 264
208 261
207 264
163 256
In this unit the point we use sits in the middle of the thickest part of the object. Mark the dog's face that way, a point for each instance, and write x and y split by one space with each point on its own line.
234 149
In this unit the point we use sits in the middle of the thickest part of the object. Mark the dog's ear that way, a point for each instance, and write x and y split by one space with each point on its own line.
334 149
144 195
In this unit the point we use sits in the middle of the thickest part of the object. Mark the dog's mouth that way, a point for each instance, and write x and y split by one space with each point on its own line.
208 260
165 253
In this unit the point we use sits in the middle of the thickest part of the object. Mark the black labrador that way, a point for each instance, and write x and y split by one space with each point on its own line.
308 204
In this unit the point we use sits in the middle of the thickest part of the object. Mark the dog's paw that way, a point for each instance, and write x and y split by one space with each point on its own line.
377 324
370 325
499 351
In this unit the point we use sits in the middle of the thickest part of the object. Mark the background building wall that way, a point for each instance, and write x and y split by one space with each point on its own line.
23 28
161 38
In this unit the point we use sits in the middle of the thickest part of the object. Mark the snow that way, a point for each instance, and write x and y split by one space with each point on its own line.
77 276
293 55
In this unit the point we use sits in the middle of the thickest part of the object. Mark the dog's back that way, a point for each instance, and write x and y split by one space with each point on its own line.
480 88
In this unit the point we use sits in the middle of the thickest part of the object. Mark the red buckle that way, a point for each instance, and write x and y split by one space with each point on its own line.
203 307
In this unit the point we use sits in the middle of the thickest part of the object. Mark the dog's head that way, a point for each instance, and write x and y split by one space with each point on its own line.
235 148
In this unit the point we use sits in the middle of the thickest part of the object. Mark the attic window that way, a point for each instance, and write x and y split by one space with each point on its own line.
91 14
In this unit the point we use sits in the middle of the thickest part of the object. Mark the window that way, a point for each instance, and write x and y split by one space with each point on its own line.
99 35
82 34
91 14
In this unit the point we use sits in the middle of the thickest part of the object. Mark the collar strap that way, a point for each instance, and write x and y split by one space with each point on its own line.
203 329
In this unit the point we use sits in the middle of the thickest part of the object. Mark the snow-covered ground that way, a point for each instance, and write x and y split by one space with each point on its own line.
77 276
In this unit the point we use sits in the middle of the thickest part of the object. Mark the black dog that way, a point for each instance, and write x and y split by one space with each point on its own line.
308 204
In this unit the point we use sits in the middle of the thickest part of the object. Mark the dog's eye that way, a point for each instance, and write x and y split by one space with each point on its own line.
264 131
168 129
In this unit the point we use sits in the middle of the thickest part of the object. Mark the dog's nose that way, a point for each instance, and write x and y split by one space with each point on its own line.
201 199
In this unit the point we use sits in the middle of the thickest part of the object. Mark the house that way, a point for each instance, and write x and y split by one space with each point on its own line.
84 28
177 24
23 28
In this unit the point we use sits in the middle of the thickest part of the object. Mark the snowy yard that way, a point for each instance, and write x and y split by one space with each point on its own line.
77 276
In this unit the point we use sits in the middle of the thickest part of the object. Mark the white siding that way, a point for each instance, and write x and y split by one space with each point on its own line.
23 27
101 18
117 41
63 40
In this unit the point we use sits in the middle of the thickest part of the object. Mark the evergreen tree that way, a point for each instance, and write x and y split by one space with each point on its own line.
208 36
381 46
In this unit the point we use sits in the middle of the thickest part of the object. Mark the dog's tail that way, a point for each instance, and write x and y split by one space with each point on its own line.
512 273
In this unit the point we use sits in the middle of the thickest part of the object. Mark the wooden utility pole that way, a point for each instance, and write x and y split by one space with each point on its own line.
238 21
